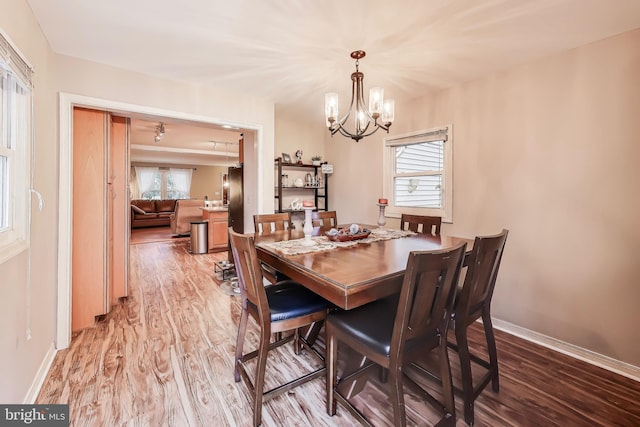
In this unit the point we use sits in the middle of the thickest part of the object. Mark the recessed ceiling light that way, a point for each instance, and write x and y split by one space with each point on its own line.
229 127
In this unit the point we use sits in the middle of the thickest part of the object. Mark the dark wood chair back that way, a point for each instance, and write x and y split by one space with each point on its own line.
324 219
421 224
249 272
480 280
269 223
427 295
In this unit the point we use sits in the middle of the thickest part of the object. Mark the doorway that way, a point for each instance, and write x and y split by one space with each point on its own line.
253 141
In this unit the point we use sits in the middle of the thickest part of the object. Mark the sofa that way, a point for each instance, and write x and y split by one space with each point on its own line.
187 210
151 213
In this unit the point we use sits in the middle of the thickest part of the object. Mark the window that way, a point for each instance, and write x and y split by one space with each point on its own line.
418 173
15 146
156 183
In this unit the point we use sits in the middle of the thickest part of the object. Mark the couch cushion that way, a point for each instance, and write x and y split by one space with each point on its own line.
145 216
165 205
145 205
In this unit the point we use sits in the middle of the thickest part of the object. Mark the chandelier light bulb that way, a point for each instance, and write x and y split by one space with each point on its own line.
331 107
376 98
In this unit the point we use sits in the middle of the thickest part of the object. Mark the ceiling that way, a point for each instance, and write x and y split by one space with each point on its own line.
292 52
183 143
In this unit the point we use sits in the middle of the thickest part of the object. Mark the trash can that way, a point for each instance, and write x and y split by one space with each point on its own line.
199 237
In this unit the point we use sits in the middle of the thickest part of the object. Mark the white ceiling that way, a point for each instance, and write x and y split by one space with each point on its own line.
183 143
292 52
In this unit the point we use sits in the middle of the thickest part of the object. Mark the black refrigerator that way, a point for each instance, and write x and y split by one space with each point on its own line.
236 202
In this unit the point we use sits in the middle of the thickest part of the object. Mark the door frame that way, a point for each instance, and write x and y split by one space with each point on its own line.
67 102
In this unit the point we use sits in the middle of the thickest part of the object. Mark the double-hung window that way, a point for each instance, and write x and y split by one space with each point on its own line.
15 146
418 173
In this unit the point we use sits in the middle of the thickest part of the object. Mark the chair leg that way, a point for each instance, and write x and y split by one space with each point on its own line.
383 375
465 370
242 328
263 351
493 352
397 396
331 364
297 346
447 383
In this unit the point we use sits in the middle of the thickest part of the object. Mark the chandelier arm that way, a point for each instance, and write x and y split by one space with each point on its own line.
358 136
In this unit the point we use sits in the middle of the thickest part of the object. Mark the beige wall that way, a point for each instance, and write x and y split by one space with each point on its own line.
28 281
207 181
550 151
293 132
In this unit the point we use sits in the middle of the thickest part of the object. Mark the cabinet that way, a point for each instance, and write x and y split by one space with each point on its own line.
217 228
286 192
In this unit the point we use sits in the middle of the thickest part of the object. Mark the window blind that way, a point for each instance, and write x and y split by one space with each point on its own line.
431 136
12 61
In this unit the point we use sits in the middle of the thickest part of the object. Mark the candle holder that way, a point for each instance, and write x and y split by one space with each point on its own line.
308 226
381 219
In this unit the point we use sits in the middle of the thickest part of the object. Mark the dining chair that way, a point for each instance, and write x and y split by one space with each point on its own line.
473 301
284 306
268 224
421 224
406 326
324 219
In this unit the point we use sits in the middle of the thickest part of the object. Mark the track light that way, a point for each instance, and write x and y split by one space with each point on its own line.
159 132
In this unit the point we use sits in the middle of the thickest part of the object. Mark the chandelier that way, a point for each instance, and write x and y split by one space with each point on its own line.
365 119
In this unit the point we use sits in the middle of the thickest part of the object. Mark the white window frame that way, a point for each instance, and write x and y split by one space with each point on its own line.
16 131
389 149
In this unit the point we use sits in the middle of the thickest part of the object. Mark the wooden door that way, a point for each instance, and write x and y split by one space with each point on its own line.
100 214
118 199
89 248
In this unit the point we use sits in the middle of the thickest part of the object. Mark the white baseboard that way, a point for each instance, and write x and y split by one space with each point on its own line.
605 362
36 385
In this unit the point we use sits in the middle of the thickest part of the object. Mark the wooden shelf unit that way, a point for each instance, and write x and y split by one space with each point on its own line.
320 193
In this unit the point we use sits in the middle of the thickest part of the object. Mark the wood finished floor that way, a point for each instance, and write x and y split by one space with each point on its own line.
152 235
164 357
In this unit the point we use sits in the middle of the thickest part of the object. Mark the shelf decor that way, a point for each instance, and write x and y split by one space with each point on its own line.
304 181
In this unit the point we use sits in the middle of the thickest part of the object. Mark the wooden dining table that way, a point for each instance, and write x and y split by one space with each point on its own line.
351 276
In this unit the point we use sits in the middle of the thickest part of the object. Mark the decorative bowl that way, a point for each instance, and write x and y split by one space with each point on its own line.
346 234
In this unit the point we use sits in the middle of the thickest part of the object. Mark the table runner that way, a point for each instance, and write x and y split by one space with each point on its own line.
322 243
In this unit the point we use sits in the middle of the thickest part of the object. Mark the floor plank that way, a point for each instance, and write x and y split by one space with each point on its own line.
164 357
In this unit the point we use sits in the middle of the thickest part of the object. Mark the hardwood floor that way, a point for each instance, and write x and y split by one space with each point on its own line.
164 357
152 235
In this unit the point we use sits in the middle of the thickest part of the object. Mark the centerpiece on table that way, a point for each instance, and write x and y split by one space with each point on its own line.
346 234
